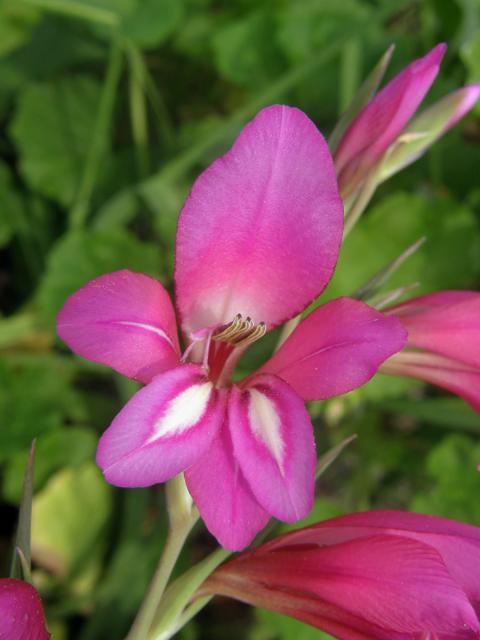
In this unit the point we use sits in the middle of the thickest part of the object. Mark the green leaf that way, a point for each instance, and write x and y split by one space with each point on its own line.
10 204
449 412
274 626
455 481
56 449
394 224
35 398
52 129
22 553
82 255
16 22
68 517
152 21
246 52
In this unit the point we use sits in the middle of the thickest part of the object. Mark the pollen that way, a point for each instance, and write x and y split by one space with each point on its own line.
240 332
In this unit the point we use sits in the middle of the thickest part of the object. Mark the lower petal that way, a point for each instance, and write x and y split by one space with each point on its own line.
273 441
226 504
162 430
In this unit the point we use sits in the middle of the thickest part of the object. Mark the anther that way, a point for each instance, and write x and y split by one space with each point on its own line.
240 332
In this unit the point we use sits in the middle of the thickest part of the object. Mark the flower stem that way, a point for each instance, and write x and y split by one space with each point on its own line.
182 517
360 203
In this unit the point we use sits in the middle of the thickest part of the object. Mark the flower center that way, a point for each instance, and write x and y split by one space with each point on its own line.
220 343
240 332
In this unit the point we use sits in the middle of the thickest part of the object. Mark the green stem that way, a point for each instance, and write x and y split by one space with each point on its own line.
182 517
138 108
80 208
360 203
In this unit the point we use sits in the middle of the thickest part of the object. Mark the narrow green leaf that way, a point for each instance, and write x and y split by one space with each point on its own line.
363 97
331 455
21 560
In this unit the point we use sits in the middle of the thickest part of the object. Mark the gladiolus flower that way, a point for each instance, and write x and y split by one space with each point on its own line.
21 612
379 575
443 346
257 241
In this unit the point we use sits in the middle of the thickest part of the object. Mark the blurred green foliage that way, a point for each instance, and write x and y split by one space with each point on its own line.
109 109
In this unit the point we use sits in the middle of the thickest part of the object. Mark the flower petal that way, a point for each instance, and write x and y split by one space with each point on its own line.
21 612
335 349
260 232
457 543
273 442
382 120
226 504
383 586
447 323
162 430
124 320
459 378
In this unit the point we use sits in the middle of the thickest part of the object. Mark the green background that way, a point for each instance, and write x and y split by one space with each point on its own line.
108 111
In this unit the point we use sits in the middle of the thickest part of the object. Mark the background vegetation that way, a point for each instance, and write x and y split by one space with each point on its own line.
108 111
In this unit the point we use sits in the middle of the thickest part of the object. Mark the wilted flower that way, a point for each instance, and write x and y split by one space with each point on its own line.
21 612
257 241
443 345
379 575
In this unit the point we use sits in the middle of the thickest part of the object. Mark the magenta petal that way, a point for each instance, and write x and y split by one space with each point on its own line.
226 504
260 232
335 349
273 442
124 320
165 428
21 612
382 120
447 323
382 586
455 376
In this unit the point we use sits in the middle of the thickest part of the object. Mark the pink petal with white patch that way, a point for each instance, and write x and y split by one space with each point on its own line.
21 612
457 377
223 497
164 429
335 349
382 120
124 320
260 232
273 442
447 323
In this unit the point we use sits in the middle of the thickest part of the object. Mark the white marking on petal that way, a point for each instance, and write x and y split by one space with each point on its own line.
266 424
147 327
183 412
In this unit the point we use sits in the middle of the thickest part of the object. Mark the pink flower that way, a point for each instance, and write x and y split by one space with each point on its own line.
378 125
443 345
21 612
379 575
257 241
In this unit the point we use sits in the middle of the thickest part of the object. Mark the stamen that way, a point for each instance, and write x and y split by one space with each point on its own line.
240 332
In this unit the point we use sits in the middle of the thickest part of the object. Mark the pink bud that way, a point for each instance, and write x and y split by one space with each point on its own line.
382 120
21 612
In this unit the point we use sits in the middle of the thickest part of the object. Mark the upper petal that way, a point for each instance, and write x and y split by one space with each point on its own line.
260 232
21 612
273 442
223 497
381 121
125 320
162 430
335 349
